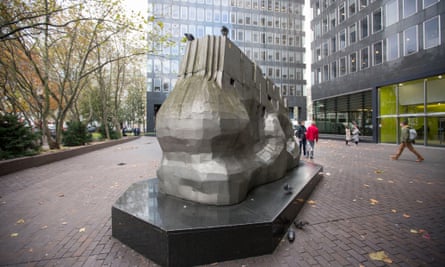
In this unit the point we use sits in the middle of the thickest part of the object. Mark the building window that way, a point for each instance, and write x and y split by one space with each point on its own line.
240 35
247 19
166 85
377 53
317 54
363 4
318 75
352 33
216 16
284 90
391 12
225 17
317 8
175 12
184 12
334 69
200 14
192 13
431 33
157 85
353 62
342 66
325 25
364 32
325 49
377 20
341 13
364 58
342 39
409 7
326 73
410 40
352 7
317 30
392 47
333 45
428 3
333 18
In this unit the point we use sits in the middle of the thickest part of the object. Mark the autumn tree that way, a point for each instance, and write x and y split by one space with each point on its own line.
66 47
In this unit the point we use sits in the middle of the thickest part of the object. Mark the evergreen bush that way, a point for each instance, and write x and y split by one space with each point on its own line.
16 140
76 135
113 133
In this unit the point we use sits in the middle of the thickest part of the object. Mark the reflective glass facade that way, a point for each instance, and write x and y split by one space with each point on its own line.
391 53
270 32
334 114
420 102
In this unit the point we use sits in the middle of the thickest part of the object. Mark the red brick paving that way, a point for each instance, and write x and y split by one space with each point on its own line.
66 209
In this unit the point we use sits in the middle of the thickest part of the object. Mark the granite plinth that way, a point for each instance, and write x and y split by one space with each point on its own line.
176 232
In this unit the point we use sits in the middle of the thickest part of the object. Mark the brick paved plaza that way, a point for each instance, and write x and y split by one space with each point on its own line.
59 214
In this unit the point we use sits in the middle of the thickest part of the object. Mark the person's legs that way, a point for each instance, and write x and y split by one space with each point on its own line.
412 149
304 147
399 152
312 146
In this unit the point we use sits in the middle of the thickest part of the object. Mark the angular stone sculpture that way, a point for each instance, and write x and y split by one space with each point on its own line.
223 129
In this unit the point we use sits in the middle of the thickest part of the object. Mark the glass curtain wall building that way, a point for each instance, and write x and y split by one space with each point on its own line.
269 32
379 62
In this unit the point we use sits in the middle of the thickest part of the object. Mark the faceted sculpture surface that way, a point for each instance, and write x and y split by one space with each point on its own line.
223 129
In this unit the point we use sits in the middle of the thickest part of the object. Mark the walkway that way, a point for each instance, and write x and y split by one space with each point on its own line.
60 214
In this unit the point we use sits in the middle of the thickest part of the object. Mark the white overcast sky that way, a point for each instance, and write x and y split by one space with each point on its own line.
136 5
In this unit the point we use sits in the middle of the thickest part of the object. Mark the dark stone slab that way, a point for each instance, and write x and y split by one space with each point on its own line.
175 232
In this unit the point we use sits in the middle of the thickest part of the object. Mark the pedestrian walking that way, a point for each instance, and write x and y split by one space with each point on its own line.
355 134
301 135
347 135
312 138
406 142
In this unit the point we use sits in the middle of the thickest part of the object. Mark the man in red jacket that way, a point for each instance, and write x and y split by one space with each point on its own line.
312 138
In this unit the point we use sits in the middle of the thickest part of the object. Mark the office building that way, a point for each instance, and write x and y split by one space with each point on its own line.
377 63
269 32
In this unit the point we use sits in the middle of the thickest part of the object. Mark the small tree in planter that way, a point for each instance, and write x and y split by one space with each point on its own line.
76 135
16 140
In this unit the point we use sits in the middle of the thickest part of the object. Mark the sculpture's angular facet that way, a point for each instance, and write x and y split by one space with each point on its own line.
223 129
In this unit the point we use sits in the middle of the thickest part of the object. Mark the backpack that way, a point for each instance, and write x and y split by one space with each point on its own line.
301 132
412 134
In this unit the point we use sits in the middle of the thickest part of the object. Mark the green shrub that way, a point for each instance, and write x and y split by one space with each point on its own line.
16 140
113 133
97 137
76 134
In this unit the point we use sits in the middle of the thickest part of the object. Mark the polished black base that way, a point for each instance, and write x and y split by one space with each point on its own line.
176 232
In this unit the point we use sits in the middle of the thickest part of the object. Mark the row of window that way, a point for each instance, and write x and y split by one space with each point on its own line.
391 11
352 34
285 73
268 38
222 16
241 35
283 23
161 85
262 5
367 24
268 5
349 8
273 55
166 66
166 85
361 60
291 89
